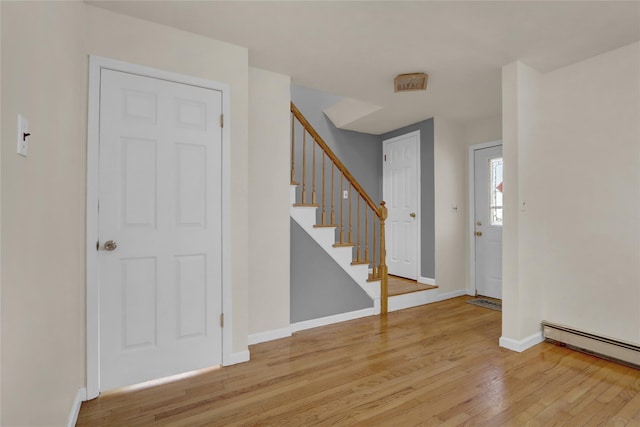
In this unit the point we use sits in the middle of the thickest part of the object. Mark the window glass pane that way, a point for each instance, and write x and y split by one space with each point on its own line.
495 191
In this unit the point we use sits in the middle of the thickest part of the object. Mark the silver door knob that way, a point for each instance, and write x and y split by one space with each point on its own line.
412 214
110 245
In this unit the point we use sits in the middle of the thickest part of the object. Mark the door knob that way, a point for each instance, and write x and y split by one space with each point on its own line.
478 233
110 245
412 214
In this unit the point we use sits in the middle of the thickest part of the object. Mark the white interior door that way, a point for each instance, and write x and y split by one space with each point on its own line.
160 202
488 221
401 160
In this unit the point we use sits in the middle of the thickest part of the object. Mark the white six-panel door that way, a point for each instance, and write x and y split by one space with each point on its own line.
400 192
160 203
488 221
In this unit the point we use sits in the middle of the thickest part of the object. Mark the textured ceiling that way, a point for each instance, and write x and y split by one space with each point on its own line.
355 49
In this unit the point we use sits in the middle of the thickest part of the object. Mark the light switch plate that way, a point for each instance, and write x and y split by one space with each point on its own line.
345 194
23 143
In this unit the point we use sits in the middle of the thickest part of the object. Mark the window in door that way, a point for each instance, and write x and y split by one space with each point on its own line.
495 191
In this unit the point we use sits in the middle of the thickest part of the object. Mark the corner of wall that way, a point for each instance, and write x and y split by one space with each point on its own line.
451 251
269 200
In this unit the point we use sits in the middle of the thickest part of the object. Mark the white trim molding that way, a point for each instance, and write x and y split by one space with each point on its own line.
523 344
452 294
96 64
329 320
238 357
81 396
265 336
427 280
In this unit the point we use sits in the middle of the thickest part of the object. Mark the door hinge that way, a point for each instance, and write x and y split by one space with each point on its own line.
385 157
98 245
221 120
222 320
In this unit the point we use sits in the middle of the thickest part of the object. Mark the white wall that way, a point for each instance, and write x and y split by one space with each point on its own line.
44 76
572 154
269 177
589 243
521 120
0 225
450 153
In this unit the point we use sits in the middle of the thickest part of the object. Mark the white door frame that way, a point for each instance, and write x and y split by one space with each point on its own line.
471 289
418 198
96 64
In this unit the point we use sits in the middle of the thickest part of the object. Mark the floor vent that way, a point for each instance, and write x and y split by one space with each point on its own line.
608 348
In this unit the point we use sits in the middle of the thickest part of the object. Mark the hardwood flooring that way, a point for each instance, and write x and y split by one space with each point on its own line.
438 364
400 285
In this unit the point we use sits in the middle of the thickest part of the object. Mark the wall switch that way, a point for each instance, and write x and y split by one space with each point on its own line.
23 136
345 194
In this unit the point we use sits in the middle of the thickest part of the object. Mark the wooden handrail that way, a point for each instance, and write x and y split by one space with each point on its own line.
335 159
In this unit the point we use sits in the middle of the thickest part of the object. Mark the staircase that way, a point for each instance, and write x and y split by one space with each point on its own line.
352 229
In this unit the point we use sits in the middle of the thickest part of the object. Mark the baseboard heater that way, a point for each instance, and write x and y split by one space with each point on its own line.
604 347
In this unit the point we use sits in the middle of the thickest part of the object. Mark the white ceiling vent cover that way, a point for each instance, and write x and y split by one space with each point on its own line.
410 82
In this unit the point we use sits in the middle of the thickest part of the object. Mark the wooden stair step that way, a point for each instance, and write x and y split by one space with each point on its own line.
306 205
343 245
362 262
295 183
326 225
373 279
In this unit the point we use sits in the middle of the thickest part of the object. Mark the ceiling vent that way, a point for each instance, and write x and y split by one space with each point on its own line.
410 82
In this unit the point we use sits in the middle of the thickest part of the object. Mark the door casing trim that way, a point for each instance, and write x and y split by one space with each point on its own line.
96 64
471 287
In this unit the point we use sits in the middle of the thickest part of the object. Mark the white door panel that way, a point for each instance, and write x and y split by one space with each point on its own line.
488 221
160 200
400 191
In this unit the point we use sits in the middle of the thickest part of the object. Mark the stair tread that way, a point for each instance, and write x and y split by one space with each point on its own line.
295 183
326 225
343 245
361 262
305 205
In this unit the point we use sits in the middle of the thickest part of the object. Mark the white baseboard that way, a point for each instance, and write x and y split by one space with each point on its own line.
235 358
452 294
523 344
427 281
265 336
81 396
328 320
413 299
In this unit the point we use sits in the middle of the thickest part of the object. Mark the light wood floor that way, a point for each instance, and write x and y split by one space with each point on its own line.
400 285
438 364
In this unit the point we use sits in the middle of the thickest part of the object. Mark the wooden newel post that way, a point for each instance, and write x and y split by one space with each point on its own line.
384 283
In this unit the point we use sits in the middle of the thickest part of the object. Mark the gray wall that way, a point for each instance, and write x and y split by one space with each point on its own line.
319 286
427 193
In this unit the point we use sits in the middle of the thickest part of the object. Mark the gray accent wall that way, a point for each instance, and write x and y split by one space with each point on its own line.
319 286
427 193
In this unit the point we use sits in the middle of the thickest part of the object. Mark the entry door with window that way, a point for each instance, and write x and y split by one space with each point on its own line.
488 221
401 162
159 228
